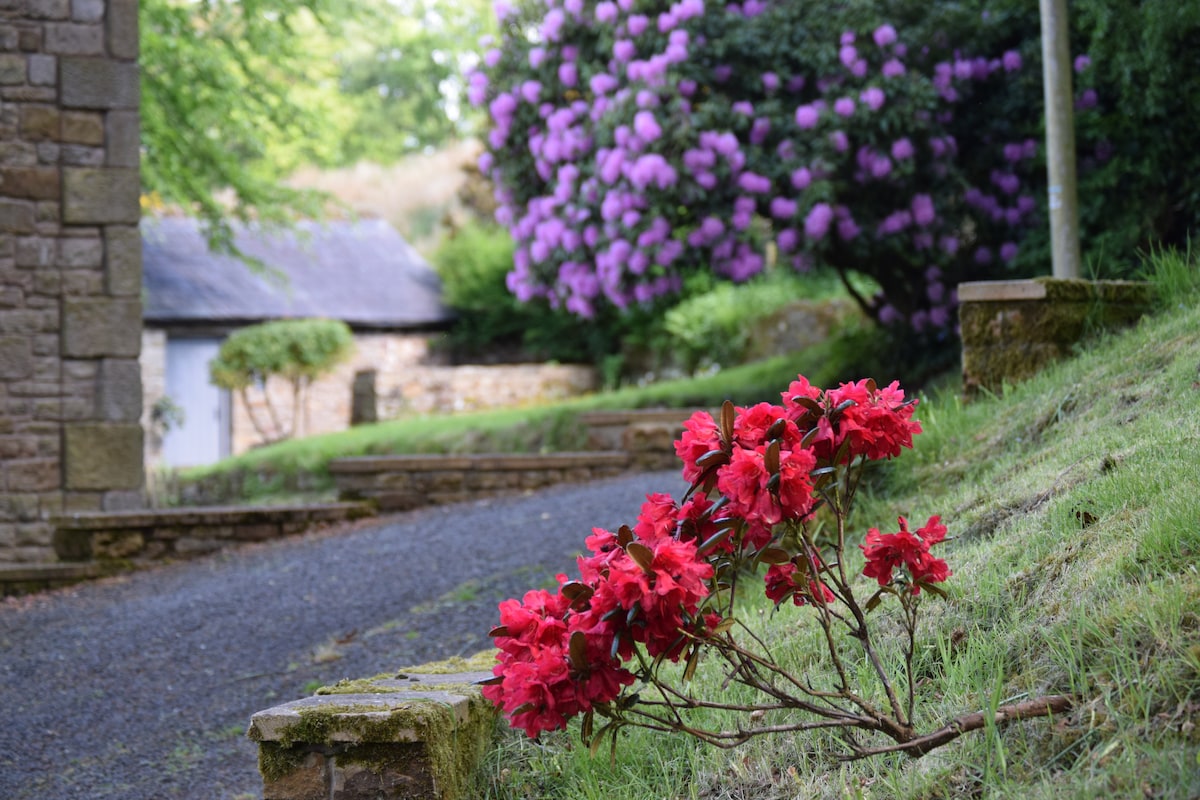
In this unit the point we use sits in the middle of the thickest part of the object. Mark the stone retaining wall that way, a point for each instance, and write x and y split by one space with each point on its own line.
396 483
135 537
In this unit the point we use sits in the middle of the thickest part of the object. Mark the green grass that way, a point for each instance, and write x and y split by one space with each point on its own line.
1074 503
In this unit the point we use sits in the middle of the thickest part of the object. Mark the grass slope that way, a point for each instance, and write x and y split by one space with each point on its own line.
1074 500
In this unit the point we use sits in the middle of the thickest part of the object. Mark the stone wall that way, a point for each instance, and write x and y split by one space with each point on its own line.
407 383
70 266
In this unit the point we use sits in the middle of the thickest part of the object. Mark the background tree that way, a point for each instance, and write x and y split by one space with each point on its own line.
236 94
297 351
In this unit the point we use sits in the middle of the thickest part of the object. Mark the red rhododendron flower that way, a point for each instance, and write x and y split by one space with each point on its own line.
799 388
657 518
744 481
700 436
751 424
781 583
910 549
796 498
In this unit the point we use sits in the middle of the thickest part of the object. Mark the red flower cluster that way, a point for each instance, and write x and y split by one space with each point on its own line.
869 421
561 653
910 549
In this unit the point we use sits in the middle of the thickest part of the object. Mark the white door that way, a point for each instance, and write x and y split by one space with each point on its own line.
203 438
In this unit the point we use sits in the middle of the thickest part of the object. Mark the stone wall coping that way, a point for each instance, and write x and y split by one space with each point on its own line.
481 461
344 713
210 515
1059 289
635 415
991 291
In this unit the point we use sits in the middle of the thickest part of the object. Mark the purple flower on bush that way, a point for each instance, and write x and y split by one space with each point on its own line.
770 81
923 211
552 25
801 178
637 24
1008 251
624 50
1011 60
816 224
806 117
848 54
902 149
840 141
1082 63
1087 100
787 240
892 68
754 183
873 97
983 255
783 208
844 106
646 126
606 12
568 73
721 72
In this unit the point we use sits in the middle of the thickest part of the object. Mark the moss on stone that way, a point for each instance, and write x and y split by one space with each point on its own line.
482 661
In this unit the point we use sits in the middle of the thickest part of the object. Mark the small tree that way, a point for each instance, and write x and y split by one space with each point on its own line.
298 351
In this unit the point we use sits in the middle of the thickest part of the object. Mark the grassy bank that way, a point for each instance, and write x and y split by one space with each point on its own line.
1074 503
280 471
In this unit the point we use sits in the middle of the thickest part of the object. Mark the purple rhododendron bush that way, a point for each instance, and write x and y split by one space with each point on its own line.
771 487
631 142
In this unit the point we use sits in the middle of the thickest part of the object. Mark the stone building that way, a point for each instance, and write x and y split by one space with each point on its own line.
70 266
363 273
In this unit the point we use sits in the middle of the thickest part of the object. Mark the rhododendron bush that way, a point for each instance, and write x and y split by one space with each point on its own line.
631 141
771 489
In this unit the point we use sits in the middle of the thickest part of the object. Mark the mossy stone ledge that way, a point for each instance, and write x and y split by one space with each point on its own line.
416 736
1011 330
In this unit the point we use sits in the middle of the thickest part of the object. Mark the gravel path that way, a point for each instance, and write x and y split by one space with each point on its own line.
141 688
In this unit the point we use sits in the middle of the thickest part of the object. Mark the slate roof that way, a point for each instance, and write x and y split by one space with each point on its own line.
363 273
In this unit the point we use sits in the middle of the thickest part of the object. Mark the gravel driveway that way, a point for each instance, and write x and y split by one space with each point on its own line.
141 687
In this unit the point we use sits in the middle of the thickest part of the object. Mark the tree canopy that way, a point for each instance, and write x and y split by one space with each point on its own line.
236 94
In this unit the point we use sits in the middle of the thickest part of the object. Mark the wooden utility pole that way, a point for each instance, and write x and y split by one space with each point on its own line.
1060 139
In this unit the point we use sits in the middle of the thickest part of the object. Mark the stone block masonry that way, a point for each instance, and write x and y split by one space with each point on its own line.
70 267
418 736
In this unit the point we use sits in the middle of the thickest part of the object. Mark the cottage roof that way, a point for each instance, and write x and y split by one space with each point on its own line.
363 273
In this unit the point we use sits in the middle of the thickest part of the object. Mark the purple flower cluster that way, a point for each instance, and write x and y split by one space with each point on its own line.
624 154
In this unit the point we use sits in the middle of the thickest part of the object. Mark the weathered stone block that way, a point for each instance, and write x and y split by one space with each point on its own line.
48 9
99 83
78 155
12 69
87 10
101 327
16 357
117 544
16 216
83 127
72 39
119 390
123 143
416 737
102 456
122 21
43 69
82 253
39 122
36 251
100 196
123 266
18 154
31 183
33 475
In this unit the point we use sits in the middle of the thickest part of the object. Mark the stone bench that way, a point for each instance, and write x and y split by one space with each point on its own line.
418 736
397 483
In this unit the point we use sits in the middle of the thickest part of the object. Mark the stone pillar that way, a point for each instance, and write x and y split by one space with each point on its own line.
1011 330
70 266
419 736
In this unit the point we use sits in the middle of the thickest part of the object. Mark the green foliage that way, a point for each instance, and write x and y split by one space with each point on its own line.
1174 272
293 349
236 96
298 351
